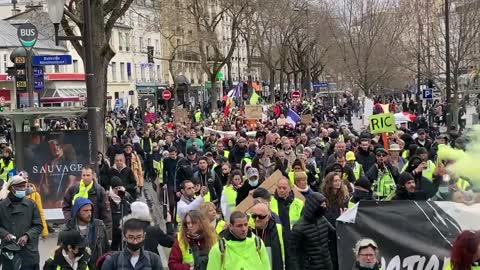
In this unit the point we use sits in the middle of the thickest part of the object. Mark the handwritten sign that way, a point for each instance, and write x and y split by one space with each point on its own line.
384 122
306 119
253 112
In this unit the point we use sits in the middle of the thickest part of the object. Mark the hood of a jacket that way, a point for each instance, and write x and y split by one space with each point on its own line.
313 209
229 236
361 195
78 204
139 210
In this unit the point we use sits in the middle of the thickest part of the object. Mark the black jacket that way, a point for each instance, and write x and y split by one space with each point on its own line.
169 169
127 176
365 158
21 217
271 239
427 145
154 236
58 260
213 182
236 156
243 191
184 171
308 242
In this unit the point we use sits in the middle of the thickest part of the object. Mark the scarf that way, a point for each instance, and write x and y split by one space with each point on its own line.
302 189
82 191
115 198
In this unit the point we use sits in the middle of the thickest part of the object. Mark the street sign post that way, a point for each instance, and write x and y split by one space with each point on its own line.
27 34
320 84
295 94
38 78
427 93
46 60
166 95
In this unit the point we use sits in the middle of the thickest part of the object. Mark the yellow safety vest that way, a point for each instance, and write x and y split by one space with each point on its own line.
405 155
187 256
294 210
280 238
219 227
231 197
357 170
448 266
384 185
427 172
6 169
198 116
60 268
462 184
82 191
151 145
226 153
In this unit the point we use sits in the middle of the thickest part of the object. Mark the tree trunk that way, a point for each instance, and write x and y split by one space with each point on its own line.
289 82
175 85
272 86
229 74
295 80
282 80
454 106
214 92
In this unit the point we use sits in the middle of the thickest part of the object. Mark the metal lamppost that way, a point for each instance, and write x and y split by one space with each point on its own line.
308 81
55 11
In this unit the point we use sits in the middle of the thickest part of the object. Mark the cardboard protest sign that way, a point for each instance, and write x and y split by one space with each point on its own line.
306 119
253 112
384 122
181 115
269 184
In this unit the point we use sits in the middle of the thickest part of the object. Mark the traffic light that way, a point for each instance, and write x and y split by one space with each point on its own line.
150 54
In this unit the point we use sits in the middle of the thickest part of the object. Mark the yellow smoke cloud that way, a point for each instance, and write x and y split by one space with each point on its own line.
467 163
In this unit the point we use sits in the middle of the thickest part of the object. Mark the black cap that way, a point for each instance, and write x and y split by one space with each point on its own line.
364 183
381 150
334 135
191 151
116 182
71 237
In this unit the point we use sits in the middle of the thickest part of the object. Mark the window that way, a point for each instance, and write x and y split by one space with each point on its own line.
75 66
140 44
56 69
142 73
5 63
149 42
140 23
122 71
159 75
129 71
157 46
127 42
131 18
121 41
151 74
114 71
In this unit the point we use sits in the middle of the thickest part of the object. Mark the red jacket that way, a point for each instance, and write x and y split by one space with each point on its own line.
175 260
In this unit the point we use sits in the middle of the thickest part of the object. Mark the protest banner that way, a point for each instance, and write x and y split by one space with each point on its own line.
380 123
253 112
54 162
306 119
413 235
269 184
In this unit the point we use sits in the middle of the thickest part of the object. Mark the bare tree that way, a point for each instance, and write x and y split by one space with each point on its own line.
368 31
208 18
104 16
464 44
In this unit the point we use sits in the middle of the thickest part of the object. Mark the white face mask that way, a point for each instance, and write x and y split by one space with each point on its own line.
253 183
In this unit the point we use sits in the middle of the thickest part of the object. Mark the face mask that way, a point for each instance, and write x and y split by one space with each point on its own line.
134 247
20 194
253 183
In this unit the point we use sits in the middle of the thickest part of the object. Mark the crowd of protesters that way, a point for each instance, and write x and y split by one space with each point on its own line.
207 166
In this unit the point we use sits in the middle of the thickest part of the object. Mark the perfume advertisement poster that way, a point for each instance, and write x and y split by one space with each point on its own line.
54 161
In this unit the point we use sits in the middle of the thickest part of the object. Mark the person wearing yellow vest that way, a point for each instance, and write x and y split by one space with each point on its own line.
354 165
71 254
271 234
6 164
88 188
193 243
209 211
285 205
229 194
33 195
238 248
383 175
429 167
198 116
465 254
297 167
221 152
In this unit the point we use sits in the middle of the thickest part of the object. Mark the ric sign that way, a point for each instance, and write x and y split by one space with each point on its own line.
380 123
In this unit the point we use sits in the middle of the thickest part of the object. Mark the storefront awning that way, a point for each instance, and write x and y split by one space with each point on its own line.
62 95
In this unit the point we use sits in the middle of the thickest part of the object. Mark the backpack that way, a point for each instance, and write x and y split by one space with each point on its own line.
222 246
114 255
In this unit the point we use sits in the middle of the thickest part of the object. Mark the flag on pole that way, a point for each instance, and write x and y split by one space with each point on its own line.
254 98
292 117
234 93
